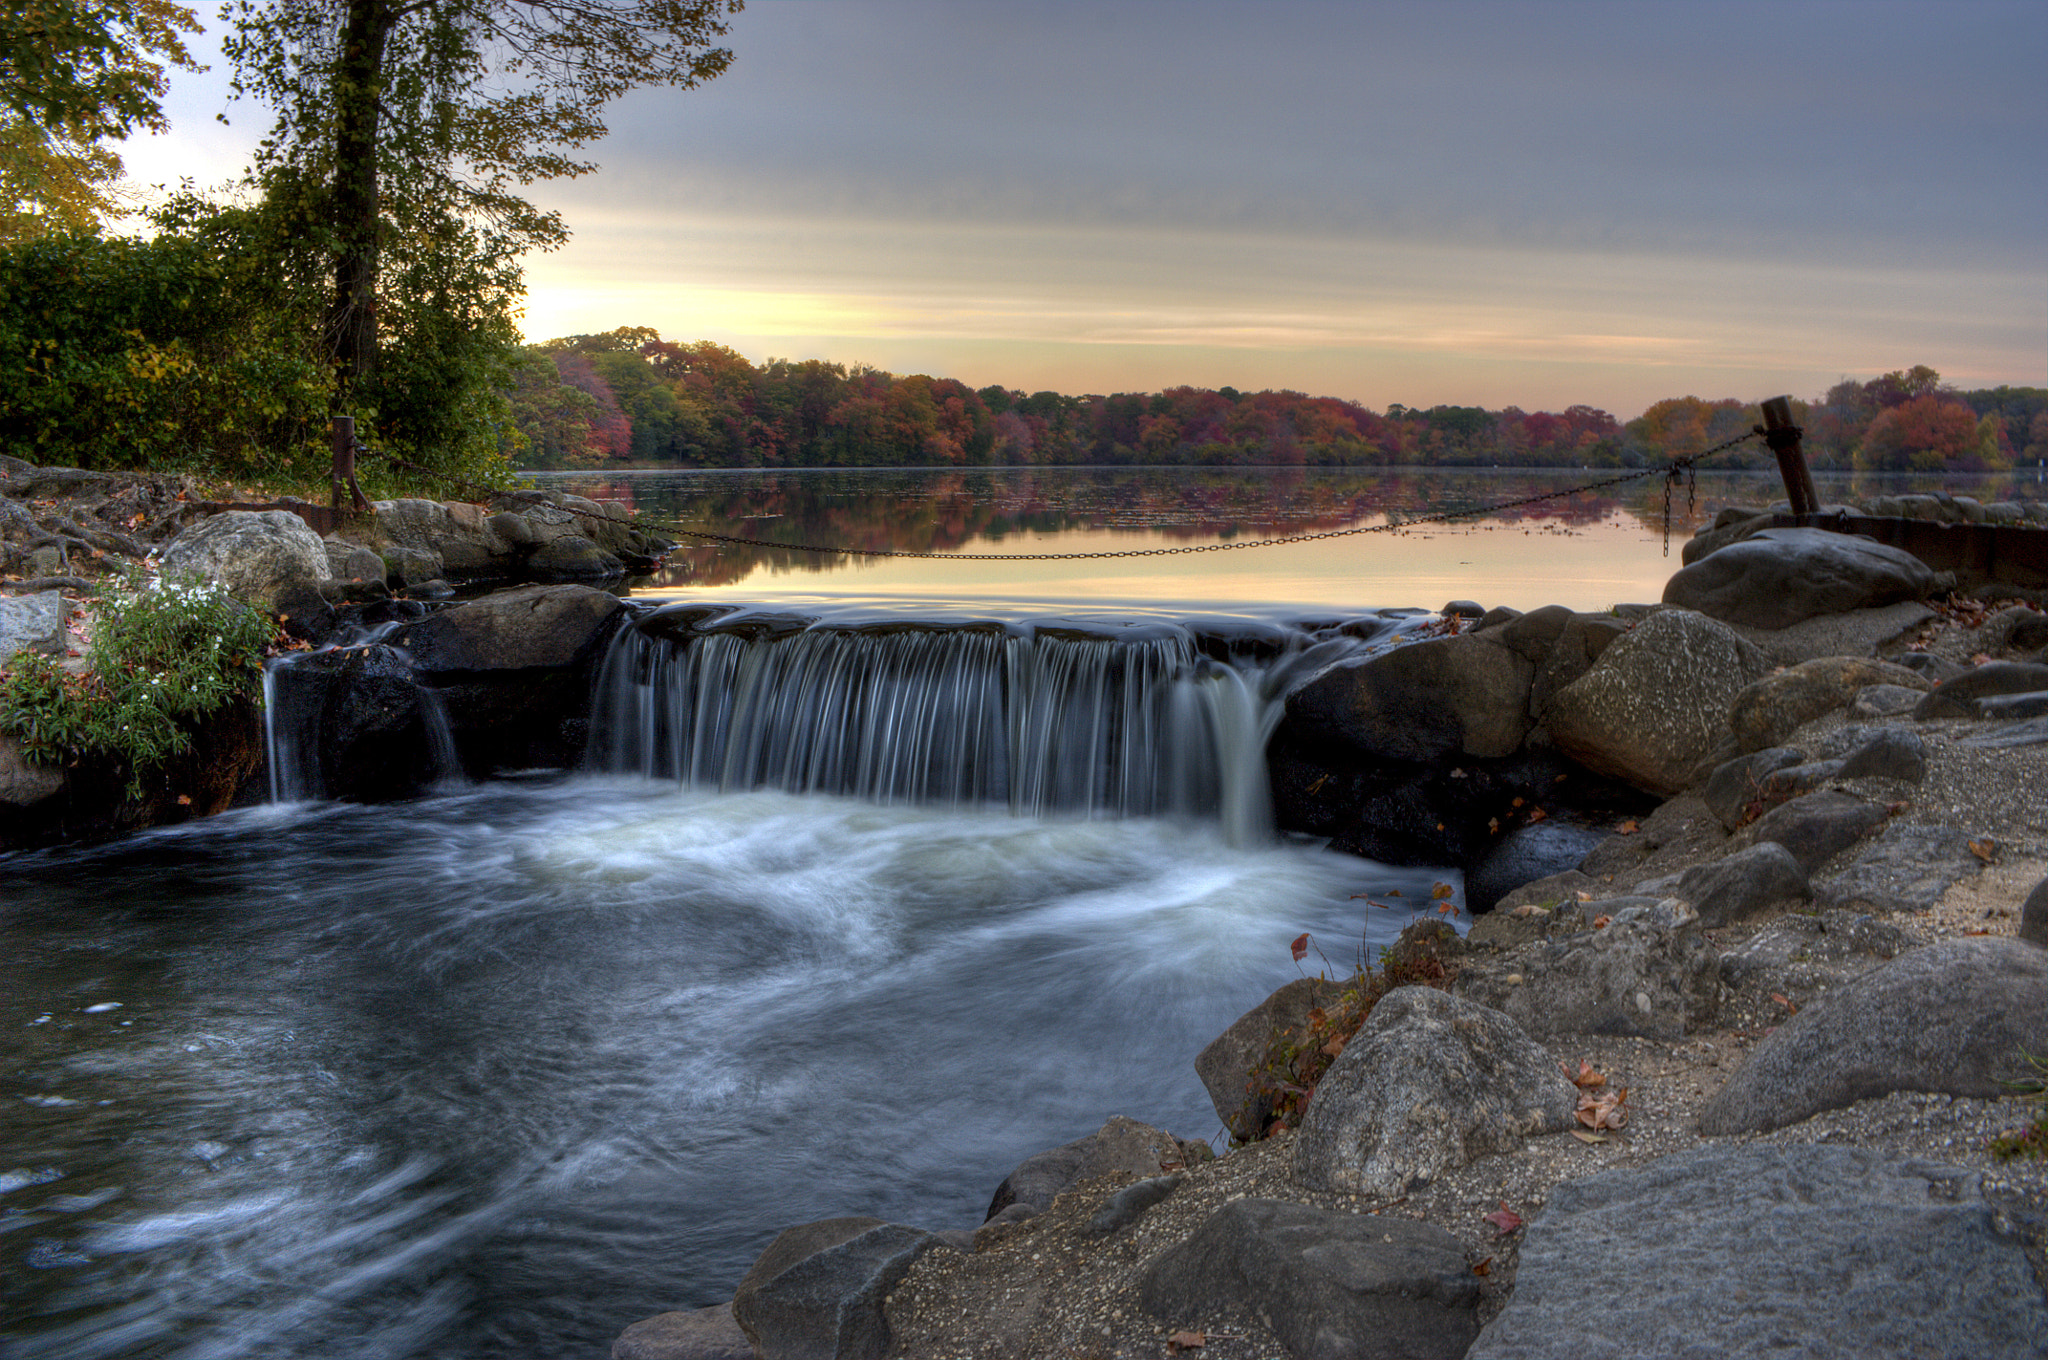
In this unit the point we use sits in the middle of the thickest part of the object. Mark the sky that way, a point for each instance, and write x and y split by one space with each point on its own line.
1533 203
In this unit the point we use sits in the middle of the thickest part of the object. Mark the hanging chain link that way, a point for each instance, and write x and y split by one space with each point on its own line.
1671 472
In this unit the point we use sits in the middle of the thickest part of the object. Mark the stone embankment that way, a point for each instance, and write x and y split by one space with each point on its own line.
1722 1073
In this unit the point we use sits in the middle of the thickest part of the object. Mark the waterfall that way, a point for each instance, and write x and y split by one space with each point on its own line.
1120 722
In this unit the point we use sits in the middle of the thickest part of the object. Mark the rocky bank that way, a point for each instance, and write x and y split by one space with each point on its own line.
1719 1076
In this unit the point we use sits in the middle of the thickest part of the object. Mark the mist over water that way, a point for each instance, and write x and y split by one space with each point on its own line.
504 1070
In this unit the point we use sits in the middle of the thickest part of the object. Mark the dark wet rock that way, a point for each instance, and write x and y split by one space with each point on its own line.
1732 525
1121 1144
1906 867
256 554
1888 753
2029 732
1463 609
1779 577
1743 884
1959 697
1225 1066
1766 713
1648 971
1129 1204
1431 1082
1734 792
2034 915
1433 700
2019 627
1332 1286
527 628
1527 854
700 1334
1811 1251
2014 707
1885 701
573 557
817 1293
1935 668
359 722
1816 827
1532 635
1495 617
1954 1017
1651 710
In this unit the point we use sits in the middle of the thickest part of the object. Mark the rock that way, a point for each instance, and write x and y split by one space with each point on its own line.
258 555
412 534
1734 792
1530 636
701 1334
2019 627
1582 642
353 562
1859 632
1463 609
1129 1204
2032 732
1532 852
23 783
573 557
1430 1082
1831 937
1426 939
1884 701
354 725
1767 712
817 1293
1225 1066
1810 1251
1428 701
1954 1017
1816 827
1732 525
1648 971
1332 1286
1958 697
2034 915
1907 867
1121 1144
1888 753
1743 884
526 628
33 623
1651 709
1779 577
1935 668
2013 707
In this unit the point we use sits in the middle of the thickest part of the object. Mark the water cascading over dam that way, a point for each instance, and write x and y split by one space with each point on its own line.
1056 717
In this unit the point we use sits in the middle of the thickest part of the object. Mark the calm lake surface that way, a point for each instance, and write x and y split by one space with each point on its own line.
503 1070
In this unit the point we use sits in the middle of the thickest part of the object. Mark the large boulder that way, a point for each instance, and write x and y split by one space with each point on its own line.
700 1334
1778 577
1811 1251
263 557
1956 1017
1964 695
1647 971
818 1292
1225 1066
1746 883
1767 712
1121 1144
526 628
1651 710
1817 826
33 623
1523 856
1439 698
1431 1082
1333 1286
353 723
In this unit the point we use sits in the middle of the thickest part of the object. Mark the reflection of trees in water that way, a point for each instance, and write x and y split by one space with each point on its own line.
989 510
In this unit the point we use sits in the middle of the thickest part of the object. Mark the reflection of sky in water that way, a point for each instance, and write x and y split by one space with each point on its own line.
1585 550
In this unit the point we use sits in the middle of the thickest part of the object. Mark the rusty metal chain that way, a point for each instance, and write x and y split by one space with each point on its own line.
1670 472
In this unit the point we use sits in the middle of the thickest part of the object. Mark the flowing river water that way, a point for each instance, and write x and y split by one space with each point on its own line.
499 1071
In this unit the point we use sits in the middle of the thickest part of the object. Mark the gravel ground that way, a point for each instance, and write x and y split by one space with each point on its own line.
1045 1287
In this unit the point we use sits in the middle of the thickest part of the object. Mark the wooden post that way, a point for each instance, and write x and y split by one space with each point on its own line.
1783 436
341 480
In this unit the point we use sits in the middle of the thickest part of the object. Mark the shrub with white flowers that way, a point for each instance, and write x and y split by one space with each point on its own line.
163 655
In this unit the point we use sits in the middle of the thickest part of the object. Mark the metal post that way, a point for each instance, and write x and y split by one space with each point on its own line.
341 480
1783 436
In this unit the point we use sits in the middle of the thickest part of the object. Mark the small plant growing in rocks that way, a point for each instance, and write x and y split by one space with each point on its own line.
160 658
2031 1141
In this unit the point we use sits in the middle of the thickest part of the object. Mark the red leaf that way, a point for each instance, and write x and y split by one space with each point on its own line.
1187 1341
1300 946
1504 1222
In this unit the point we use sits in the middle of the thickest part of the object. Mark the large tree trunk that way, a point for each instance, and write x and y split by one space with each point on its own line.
352 213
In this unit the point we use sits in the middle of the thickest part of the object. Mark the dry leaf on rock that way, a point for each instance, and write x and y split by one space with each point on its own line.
1186 1341
1505 1220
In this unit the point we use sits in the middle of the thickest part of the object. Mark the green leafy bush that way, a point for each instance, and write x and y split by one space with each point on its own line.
160 659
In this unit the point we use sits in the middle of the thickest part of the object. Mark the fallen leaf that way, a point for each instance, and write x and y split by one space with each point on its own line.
1441 890
1504 1222
1791 1007
1516 802
1984 848
1537 815
1492 824
1628 828
1484 1267
184 800
1585 1137
1601 922
1186 1341
1978 930
1334 1048
1300 946
1393 892
1603 1112
1586 1079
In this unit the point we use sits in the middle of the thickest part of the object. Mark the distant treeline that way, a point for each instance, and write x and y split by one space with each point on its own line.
628 398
